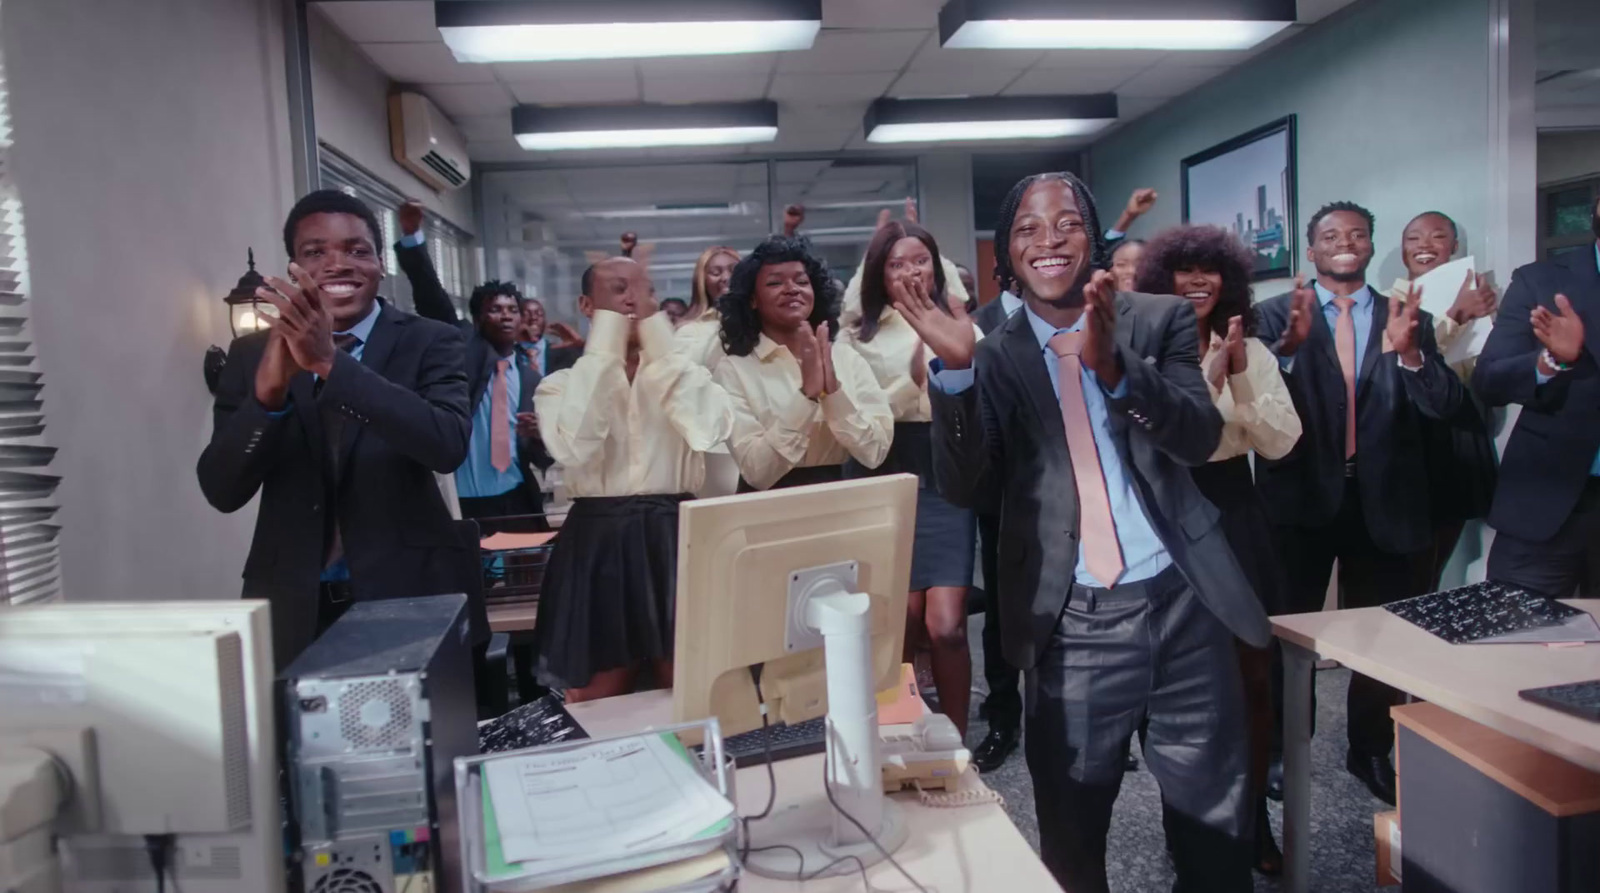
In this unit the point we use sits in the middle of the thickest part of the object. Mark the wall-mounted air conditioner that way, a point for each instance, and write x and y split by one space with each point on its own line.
425 142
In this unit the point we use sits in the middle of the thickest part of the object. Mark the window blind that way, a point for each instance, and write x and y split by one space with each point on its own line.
30 560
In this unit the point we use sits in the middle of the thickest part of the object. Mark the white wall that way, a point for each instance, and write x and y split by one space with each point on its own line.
350 97
1568 155
945 205
1393 105
151 149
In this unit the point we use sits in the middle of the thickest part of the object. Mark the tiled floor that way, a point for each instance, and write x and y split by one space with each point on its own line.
1342 857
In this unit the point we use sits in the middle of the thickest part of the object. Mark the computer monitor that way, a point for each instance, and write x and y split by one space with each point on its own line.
778 580
177 698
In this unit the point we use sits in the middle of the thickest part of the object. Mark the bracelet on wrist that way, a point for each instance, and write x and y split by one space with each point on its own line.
1550 360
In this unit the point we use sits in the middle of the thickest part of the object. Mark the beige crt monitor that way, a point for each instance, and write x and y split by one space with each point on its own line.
738 555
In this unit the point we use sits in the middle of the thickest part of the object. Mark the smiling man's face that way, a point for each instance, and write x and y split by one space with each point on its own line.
1341 247
339 253
1050 249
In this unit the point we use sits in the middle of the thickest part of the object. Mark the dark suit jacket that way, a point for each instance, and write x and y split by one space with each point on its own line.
1001 446
1552 449
480 365
1305 488
401 411
990 316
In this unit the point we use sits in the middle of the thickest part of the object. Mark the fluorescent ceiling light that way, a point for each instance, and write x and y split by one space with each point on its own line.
731 209
988 118
560 128
511 31
1112 24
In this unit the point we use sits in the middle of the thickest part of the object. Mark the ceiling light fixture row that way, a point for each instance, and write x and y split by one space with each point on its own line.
481 31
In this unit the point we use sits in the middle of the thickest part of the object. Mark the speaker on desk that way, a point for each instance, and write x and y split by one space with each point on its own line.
375 713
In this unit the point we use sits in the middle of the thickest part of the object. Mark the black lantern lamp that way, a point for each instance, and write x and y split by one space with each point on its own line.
245 309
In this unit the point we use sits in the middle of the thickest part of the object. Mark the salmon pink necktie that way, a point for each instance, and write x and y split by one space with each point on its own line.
500 420
1344 342
1097 531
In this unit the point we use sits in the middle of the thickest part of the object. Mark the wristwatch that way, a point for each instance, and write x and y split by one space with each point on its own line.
1549 359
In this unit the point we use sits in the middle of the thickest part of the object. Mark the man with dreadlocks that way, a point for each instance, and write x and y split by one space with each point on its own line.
1077 421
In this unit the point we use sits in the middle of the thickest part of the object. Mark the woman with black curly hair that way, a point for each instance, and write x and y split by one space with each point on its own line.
801 404
1208 266
903 255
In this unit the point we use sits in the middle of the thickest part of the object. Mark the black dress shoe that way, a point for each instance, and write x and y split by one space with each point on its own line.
996 746
1377 773
1275 781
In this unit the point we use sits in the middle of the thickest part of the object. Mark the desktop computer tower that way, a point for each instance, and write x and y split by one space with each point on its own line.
374 714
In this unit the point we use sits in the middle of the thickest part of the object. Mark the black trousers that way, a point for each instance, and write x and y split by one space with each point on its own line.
1004 703
1567 562
1369 576
514 511
1146 653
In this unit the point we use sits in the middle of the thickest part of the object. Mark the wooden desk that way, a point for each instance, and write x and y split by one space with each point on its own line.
513 618
970 849
1479 682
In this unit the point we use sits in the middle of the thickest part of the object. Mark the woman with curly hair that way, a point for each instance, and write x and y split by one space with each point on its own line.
698 331
902 255
801 404
1210 267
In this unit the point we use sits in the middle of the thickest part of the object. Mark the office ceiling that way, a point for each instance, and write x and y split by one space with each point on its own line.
867 49
1568 62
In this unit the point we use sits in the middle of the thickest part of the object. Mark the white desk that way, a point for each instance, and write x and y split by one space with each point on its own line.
1479 682
971 849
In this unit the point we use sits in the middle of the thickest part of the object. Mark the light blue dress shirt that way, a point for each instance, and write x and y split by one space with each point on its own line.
477 477
1360 313
541 350
1143 554
1594 469
413 240
1010 303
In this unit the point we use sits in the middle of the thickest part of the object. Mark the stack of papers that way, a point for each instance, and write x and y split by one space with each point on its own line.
600 809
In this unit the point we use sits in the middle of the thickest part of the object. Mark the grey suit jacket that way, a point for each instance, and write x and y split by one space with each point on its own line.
1001 446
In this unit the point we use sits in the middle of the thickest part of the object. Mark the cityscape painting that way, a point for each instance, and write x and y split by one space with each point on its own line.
1247 184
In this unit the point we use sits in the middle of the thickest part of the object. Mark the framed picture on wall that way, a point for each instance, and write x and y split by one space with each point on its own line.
1247 184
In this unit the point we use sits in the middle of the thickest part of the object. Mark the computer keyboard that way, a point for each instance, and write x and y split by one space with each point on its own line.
788 742
1580 699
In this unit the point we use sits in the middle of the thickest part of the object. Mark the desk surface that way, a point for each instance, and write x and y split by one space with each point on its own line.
513 618
1479 682
971 849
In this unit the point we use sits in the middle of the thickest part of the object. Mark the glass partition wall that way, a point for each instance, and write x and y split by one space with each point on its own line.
542 227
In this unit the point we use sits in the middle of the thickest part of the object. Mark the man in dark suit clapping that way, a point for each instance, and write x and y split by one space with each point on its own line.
1542 354
338 417
1119 595
1363 374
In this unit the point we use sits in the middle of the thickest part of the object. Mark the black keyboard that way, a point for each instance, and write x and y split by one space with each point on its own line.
788 742
1581 699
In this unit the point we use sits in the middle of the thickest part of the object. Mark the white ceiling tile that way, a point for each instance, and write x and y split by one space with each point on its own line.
703 89
922 14
513 72
496 150
1056 81
936 82
1090 58
1168 79
830 88
470 99
705 66
842 52
618 88
387 21
424 63
934 56
483 128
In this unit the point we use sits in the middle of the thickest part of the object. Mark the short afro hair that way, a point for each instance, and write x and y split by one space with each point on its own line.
1209 248
484 294
1333 207
1099 255
329 201
741 323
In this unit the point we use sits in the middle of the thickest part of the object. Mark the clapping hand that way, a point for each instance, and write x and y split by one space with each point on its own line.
808 352
793 216
527 424
1401 330
566 335
1475 300
1099 329
306 324
1302 308
1561 332
948 334
1233 348
274 372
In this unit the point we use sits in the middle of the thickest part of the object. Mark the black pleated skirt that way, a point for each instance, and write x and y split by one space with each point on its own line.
800 477
609 594
1230 487
944 550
